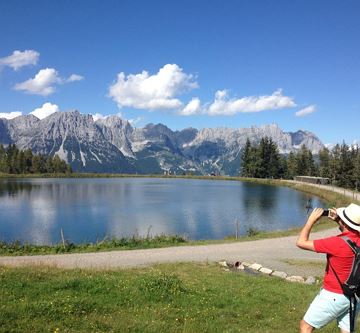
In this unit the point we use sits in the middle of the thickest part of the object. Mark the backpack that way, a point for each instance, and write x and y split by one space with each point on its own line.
351 287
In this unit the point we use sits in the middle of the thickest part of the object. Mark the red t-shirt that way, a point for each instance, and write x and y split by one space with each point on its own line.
340 255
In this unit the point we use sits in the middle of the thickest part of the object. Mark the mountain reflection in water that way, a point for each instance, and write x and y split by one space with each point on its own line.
34 210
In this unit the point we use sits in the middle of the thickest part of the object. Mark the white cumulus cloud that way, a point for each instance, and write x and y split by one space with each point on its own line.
44 82
306 111
20 59
192 108
225 106
75 77
45 110
135 121
98 116
153 92
10 115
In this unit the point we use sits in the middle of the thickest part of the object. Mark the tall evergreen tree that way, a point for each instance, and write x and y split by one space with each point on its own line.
246 160
356 173
345 167
325 163
291 166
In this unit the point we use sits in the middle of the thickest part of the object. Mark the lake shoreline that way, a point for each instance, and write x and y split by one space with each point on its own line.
136 242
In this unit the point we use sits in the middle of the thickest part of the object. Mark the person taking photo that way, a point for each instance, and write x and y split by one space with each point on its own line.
331 303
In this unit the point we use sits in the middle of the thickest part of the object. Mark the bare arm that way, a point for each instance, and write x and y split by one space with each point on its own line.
303 241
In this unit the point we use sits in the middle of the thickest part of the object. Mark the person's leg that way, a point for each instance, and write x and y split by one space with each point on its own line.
326 306
305 327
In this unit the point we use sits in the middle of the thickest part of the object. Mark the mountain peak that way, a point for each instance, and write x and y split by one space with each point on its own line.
111 144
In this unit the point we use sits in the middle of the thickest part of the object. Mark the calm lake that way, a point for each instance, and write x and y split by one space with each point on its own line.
35 210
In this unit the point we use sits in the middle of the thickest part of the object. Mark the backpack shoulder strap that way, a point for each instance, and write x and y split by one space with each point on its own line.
352 244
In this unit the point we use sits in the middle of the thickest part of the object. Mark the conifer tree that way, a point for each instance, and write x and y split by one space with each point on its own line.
356 173
246 160
325 163
345 175
291 166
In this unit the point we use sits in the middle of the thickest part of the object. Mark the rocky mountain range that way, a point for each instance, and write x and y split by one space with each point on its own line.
113 145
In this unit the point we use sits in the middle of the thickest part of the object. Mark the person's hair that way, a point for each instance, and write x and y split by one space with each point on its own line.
347 226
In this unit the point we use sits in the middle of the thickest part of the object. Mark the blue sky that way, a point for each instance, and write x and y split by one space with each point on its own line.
186 63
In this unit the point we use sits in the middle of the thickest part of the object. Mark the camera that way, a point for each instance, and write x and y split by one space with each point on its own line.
325 212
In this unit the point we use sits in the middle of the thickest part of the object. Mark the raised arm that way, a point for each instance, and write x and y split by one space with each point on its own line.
303 241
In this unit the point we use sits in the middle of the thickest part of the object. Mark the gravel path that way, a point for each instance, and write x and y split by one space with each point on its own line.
355 195
271 253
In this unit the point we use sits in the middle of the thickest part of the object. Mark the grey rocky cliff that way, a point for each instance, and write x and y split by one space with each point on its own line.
113 145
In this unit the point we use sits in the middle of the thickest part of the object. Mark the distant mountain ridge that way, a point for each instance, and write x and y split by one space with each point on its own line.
113 145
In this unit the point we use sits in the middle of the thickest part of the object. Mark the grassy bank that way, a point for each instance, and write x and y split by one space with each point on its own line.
166 298
133 243
18 248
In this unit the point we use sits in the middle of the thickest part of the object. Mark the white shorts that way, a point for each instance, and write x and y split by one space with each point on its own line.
328 306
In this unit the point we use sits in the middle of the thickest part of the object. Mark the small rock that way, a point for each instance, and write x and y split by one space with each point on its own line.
241 266
226 269
310 280
246 264
295 278
223 263
279 274
255 266
264 270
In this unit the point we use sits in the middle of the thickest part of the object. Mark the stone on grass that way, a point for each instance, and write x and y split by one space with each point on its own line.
295 278
255 266
223 263
264 270
245 264
241 266
310 280
279 274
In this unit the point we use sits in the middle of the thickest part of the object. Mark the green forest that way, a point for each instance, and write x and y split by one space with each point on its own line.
16 161
340 164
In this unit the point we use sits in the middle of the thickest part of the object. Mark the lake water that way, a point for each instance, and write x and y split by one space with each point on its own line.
35 210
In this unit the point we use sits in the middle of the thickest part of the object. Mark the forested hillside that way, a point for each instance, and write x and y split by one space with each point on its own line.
15 161
340 164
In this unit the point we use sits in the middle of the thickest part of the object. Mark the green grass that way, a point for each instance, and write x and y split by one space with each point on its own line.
166 298
305 263
135 242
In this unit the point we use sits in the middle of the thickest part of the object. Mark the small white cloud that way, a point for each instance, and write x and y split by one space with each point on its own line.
224 106
153 92
135 121
98 116
20 59
10 115
44 82
306 111
192 108
75 77
46 110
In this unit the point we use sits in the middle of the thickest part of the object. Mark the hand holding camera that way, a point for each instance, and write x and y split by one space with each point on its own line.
330 213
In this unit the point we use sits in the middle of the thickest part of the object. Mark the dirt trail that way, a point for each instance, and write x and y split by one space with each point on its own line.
272 253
